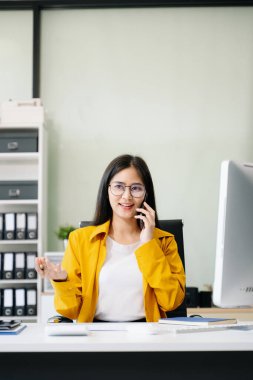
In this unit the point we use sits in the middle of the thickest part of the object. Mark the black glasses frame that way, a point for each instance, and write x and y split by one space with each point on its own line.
118 195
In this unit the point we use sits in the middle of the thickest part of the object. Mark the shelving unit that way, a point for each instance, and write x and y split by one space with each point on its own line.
26 166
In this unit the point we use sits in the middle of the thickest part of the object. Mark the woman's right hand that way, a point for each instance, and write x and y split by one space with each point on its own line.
47 269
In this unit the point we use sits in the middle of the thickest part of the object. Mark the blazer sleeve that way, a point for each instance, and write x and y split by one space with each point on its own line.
162 268
68 294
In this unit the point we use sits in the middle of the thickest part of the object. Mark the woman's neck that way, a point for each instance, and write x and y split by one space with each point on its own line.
124 231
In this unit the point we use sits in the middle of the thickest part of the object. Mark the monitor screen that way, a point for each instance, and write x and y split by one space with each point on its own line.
233 279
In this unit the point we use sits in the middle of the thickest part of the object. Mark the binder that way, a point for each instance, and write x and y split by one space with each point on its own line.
1 267
30 265
20 225
1 226
9 231
31 302
19 271
7 302
19 308
31 224
8 265
1 312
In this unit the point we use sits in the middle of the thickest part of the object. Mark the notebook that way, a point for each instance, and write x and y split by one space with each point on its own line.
13 331
197 321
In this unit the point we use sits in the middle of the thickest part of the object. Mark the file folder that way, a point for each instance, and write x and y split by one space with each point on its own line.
31 226
1 268
7 302
20 225
1 226
31 302
19 271
19 308
8 265
30 265
9 231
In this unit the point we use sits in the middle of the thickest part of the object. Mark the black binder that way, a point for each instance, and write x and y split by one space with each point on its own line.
9 226
19 271
20 231
1 226
32 226
8 265
7 302
31 302
19 308
30 265
1 267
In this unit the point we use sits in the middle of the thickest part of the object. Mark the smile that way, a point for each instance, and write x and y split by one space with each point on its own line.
126 206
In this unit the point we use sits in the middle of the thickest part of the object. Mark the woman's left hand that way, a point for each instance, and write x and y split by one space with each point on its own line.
148 218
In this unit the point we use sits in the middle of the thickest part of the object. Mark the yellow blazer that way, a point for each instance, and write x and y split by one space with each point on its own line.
158 261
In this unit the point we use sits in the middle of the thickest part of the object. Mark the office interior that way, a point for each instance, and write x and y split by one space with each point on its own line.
171 84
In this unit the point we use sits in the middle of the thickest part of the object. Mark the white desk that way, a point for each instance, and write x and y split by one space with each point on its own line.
126 355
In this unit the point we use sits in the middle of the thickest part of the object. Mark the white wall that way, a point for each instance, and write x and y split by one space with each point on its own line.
15 55
173 85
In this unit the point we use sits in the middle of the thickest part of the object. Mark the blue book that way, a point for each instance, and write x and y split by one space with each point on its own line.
14 331
197 321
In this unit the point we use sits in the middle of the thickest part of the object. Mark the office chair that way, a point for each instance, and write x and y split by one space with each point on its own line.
175 227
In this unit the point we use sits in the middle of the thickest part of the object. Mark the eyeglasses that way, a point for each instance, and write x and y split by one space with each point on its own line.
136 190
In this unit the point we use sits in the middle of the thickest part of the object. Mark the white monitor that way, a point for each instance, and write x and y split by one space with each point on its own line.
233 279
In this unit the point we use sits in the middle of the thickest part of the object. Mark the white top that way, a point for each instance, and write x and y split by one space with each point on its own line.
120 284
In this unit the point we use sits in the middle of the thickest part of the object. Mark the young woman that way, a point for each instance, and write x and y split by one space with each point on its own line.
120 268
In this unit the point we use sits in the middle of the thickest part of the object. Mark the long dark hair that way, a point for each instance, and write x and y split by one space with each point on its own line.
103 211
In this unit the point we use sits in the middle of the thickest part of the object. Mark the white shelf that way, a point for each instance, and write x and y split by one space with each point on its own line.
18 282
18 242
26 166
23 125
25 318
33 156
19 202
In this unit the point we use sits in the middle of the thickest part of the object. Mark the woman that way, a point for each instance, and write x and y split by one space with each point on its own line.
120 268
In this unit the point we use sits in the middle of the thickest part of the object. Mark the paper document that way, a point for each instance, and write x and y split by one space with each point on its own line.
107 326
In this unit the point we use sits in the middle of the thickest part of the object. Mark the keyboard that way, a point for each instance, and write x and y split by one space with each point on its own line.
65 329
240 326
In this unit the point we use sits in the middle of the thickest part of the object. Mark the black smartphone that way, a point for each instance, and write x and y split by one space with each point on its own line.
141 223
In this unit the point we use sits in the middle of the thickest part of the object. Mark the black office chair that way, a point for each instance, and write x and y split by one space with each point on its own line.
175 227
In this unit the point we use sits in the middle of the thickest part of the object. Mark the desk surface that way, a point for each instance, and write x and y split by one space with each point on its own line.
34 339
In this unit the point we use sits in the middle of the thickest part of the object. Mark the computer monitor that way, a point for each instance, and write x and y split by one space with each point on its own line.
233 279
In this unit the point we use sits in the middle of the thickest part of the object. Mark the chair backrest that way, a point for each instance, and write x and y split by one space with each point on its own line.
174 226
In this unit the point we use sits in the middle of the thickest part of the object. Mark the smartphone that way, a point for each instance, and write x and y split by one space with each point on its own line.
141 223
